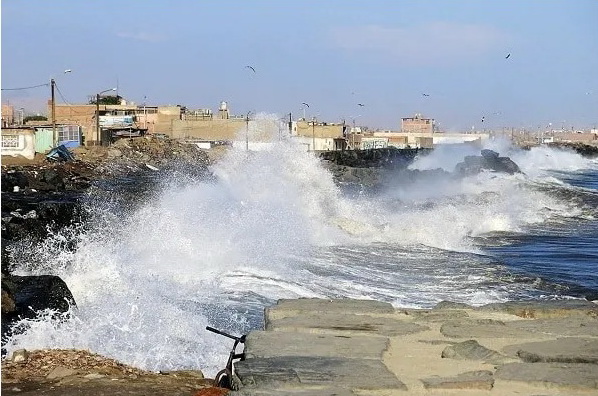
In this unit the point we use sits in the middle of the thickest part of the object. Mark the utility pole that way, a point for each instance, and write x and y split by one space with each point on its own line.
97 118
247 131
54 135
313 133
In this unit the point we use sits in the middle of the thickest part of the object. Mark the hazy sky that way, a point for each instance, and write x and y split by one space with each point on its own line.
331 54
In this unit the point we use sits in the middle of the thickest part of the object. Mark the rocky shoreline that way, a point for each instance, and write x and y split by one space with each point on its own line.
362 347
40 196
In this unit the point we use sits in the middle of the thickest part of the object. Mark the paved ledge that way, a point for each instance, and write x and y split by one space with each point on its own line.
362 347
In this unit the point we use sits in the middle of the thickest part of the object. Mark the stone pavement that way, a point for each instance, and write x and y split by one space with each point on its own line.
363 347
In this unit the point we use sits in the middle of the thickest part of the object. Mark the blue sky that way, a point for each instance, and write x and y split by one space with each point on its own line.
330 54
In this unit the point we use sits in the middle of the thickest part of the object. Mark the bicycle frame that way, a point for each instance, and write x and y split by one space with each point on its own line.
225 377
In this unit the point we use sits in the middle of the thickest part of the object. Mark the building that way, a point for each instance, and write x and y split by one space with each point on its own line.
8 115
320 136
417 124
18 141
123 119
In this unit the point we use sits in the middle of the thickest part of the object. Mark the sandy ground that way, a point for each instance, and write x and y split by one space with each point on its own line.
417 356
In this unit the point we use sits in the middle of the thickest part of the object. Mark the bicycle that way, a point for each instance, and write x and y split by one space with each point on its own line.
226 378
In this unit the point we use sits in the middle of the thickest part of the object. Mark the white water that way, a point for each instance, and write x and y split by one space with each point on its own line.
274 225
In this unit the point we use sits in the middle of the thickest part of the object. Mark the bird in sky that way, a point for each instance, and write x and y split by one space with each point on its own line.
425 94
305 104
483 119
360 104
508 56
251 67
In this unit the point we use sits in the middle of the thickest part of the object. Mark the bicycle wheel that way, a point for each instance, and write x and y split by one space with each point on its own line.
223 379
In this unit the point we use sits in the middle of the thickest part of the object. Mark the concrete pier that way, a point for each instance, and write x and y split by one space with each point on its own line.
363 347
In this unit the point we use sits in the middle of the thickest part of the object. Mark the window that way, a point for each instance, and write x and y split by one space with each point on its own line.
10 141
68 133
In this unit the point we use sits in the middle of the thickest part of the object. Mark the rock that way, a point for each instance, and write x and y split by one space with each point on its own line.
482 328
389 157
451 305
20 356
585 150
33 294
346 324
277 372
551 375
562 350
94 376
472 350
482 380
8 302
489 160
60 372
13 179
436 315
544 309
265 344
285 308
489 155
573 325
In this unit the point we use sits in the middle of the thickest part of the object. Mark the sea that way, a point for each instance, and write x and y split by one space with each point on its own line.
166 254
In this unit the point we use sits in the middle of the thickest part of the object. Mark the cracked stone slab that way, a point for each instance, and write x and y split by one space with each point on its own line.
483 328
262 344
482 380
472 350
544 309
560 375
564 350
571 326
338 323
436 315
285 371
285 308
294 391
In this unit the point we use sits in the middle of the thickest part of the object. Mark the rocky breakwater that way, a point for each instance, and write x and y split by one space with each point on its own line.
368 167
379 167
348 347
42 196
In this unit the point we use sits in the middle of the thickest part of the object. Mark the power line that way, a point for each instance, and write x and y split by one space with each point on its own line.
61 95
19 89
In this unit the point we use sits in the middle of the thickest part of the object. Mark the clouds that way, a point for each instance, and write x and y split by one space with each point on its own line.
421 45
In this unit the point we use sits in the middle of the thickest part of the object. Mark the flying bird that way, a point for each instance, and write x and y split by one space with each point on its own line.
508 56
425 94
360 104
483 119
250 67
305 104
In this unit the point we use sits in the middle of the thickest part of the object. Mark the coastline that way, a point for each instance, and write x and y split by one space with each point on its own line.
365 347
404 355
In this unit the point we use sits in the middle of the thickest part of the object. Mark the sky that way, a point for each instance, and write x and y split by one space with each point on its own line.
510 63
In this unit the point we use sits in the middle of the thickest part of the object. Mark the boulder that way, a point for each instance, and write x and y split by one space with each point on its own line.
488 160
30 295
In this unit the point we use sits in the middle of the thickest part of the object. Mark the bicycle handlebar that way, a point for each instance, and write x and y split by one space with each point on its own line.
213 330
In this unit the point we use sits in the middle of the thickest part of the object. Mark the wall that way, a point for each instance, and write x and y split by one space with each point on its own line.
576 137
207 129
23 139
417 125
418 139
321 144
320 131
